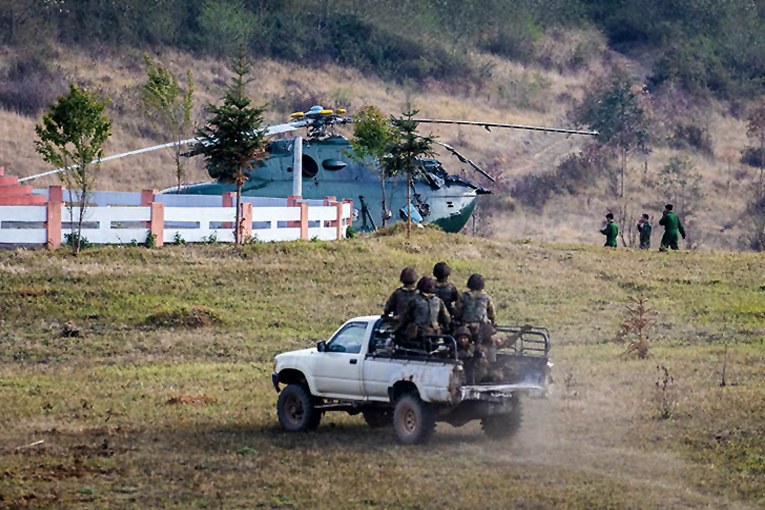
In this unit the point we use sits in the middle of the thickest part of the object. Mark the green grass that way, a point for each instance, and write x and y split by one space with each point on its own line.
98 397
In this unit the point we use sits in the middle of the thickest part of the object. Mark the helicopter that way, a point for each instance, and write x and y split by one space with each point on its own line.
327 168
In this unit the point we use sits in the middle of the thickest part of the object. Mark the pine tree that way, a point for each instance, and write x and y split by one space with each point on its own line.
233 139
404 153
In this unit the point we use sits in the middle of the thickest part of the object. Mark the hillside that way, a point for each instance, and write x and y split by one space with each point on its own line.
87 367
700 68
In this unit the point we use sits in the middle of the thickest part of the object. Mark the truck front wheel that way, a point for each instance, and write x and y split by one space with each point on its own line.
502 426
413 419
296 409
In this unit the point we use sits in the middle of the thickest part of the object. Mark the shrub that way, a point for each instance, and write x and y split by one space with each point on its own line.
753 156
29 85
193 317
691 136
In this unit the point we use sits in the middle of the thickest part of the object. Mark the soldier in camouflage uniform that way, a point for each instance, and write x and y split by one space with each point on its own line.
399 300
444 288
476 366
426 313
475 308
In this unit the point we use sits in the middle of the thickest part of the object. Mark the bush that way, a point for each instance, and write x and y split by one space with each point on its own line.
690 136
29 85
194 317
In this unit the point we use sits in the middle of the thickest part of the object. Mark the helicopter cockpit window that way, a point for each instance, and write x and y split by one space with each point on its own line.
310 168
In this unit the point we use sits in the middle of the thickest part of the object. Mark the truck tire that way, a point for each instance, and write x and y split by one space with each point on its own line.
413 419
502 426
378 418
296 409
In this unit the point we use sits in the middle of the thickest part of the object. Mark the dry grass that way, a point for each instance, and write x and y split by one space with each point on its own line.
99 401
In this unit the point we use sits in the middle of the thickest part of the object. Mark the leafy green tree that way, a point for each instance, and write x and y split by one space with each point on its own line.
372 136
618 112
234 139
404 153
168 108
71 136
680 183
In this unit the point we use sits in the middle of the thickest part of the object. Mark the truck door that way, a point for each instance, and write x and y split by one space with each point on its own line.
337 371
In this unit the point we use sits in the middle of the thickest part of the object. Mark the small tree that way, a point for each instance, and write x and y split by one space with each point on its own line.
71 136
168 108
233 139
404 153
372 136
620 116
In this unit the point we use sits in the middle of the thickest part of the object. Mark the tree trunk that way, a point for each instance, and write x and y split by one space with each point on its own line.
384 209
178 171
83 199
408 206
624 164
238 226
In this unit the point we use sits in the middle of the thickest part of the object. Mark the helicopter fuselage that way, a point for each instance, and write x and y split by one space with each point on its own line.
328 170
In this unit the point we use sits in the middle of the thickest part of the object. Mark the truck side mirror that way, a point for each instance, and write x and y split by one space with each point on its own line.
321 346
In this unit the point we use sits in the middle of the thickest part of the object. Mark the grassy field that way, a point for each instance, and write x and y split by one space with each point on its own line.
92 349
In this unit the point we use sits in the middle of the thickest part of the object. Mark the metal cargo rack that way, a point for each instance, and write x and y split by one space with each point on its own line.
530 341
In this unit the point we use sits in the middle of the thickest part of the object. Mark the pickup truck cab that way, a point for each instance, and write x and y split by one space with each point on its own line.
358 370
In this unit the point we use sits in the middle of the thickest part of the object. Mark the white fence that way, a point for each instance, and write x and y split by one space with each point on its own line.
119 218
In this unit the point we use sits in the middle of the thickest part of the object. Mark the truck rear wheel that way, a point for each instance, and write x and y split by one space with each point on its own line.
502 426
296 409
413 419
378 418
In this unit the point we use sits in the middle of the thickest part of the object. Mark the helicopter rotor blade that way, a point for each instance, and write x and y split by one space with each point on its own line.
271 130
463 159
488 125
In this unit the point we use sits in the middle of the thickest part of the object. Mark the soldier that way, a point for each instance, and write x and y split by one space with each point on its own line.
475 307
426 314
399 300
611 230
644 227
476 366
672 227
444 288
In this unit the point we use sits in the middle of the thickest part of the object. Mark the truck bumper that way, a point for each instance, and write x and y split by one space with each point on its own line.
275 380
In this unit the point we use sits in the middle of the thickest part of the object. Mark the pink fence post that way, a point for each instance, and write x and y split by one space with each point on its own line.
53 225
339 222
157 223
246 228
56 194
228 201
147 198
304 221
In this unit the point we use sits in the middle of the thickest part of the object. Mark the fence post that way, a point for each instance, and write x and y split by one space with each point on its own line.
147 197
246 220
53 224
339 207
157 223
228 201
303 221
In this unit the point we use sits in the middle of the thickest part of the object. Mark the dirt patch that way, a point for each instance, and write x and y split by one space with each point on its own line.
194 317
190 399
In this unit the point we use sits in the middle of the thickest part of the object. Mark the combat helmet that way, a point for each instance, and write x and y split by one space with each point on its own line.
441 271
426 285
408 276
462 331
475 282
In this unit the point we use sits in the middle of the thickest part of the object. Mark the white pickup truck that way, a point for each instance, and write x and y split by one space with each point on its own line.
359 371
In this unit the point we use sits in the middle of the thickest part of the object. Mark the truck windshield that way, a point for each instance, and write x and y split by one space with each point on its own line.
348 339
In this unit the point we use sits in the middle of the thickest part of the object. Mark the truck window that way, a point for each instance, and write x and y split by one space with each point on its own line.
348 339
384 331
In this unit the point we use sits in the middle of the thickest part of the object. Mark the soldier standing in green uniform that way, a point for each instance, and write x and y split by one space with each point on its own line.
611 230
444 288
673 229
644 227
399 300
475 308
